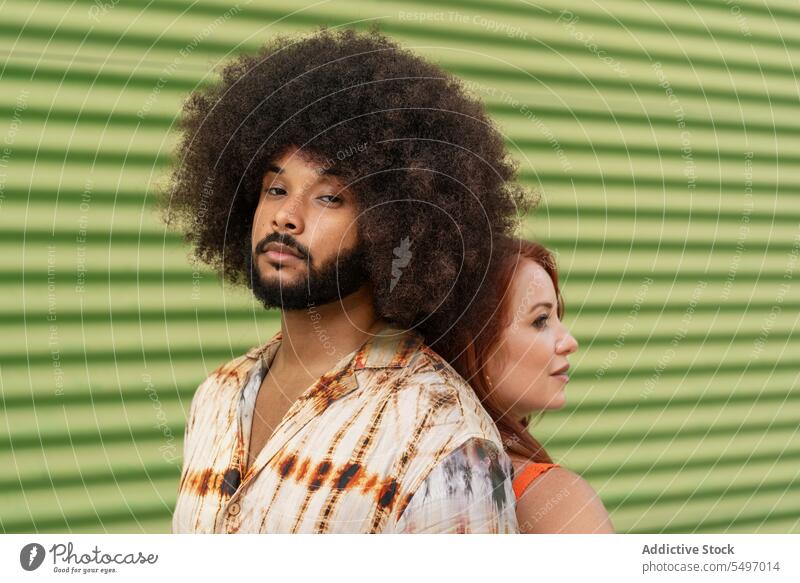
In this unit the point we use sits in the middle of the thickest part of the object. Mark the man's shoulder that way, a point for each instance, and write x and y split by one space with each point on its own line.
460 481
443 396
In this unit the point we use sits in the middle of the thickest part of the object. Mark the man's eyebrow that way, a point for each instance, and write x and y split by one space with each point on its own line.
320 171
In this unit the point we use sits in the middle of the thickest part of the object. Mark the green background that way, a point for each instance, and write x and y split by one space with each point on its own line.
663 137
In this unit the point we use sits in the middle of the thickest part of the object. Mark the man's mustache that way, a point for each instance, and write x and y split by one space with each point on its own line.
287 240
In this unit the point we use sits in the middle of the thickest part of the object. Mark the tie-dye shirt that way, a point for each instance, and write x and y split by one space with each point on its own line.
391 440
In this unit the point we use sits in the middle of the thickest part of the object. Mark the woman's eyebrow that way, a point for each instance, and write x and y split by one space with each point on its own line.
546 304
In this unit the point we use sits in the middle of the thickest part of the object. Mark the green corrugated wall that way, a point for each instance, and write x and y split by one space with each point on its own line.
663 136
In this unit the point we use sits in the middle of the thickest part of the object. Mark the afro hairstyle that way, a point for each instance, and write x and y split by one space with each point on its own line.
434 183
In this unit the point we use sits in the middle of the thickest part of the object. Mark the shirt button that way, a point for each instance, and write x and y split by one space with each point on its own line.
233 509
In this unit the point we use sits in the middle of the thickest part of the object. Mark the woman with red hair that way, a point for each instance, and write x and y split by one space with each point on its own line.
516 361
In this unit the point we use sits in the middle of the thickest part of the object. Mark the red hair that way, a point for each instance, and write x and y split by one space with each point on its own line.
468 351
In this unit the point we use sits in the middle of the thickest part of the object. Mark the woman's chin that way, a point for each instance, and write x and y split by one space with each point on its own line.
557 401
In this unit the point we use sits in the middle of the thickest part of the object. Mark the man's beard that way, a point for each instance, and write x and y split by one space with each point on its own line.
337 279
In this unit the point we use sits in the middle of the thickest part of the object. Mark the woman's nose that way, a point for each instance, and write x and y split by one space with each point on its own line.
568 344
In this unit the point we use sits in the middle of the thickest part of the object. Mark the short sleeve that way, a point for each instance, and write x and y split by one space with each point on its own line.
469 491
187 430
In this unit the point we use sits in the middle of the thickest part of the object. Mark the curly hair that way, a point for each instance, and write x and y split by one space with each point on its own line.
424 160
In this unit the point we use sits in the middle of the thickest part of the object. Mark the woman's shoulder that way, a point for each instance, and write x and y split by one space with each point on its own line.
561 501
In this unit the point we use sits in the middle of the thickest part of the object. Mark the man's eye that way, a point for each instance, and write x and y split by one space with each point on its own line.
330 199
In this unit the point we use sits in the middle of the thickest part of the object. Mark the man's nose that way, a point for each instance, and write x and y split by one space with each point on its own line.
289 217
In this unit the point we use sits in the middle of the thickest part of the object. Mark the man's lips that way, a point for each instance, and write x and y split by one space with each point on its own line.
281 257
280 252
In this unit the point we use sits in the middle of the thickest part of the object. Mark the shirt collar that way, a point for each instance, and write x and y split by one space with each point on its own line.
391 347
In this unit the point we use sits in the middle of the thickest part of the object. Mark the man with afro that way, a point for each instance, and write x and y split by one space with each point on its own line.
360 190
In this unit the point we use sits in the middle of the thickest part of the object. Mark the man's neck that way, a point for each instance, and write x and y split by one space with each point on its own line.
318 337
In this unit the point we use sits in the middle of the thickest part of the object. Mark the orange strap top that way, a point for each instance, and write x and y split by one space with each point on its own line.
528 474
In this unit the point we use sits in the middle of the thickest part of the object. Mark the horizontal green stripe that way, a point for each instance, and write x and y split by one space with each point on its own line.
45 197
620 119
168 240
745 518
102 157
604 438
637 467
667 182
176 315
790 488
135 436
118 356
90 478
67 196
75 520
95 36
147 276
590 85
134 396
113 476
97 357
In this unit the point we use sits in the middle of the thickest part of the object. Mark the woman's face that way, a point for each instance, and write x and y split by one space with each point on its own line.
528 368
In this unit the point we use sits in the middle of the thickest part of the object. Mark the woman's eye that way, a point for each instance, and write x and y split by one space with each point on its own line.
276 190
540 322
